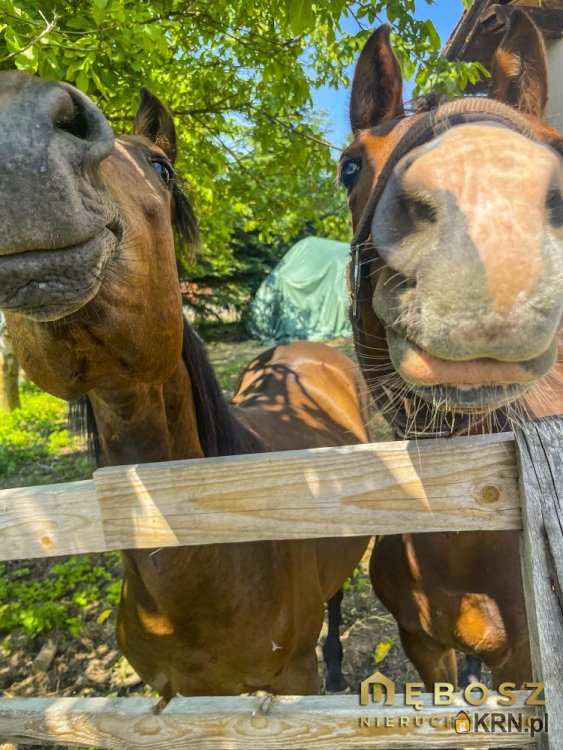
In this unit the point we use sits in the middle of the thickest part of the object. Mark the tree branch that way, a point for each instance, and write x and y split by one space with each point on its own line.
47 30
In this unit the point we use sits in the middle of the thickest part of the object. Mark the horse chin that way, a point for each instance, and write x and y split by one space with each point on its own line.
49 285
477 385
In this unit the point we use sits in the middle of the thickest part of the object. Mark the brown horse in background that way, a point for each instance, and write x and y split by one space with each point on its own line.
89 285
457 283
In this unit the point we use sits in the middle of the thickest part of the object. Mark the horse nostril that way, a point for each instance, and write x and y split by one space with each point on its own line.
419 210
554 205
81 118
74 122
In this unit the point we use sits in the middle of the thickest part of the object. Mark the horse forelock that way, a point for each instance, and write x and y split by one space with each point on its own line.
220 433
82 422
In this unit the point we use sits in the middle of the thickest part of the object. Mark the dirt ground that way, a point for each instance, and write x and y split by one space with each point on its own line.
91 665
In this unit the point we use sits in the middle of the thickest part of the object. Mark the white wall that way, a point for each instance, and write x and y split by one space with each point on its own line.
554 110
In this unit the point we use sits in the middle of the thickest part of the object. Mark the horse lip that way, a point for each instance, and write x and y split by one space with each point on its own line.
47 285
422 369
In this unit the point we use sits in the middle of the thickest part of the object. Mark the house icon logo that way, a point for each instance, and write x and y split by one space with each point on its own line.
462 723
383 689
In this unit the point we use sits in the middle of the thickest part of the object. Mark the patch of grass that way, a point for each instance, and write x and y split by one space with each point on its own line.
68 593
36 446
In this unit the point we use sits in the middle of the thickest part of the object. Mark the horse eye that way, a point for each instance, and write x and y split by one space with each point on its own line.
349 173
164 170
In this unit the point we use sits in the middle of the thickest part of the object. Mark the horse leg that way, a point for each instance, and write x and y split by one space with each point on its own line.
471 671
517 668
435 663
332 648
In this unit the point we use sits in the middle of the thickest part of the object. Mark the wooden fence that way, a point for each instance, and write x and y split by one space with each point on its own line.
464 484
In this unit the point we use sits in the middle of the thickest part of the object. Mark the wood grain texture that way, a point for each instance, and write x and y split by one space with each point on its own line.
54 519
540 452
316 722
366 489
464 484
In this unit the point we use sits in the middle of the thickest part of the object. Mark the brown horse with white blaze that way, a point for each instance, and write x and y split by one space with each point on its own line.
457 283
89 285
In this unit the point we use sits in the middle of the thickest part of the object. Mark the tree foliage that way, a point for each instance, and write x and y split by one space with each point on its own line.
239 78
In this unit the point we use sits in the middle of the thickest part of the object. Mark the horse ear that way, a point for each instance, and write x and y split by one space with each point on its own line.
154 121
519 71
377 89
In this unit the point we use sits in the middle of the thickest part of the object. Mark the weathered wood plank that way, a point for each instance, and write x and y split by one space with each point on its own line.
316 722
464 484
54 519
540 454
380 488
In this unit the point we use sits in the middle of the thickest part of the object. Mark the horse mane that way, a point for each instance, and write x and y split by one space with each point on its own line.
184 221
82 422
220 432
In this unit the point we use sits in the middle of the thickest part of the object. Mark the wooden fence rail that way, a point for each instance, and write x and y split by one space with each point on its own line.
381 488
461 484
293 723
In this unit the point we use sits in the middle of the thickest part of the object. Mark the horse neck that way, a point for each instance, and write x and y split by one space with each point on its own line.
139 422
186 417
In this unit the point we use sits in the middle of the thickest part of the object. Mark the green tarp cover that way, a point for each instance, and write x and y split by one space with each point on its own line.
305 296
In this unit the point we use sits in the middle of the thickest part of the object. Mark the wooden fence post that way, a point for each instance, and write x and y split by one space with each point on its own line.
540 459
9 371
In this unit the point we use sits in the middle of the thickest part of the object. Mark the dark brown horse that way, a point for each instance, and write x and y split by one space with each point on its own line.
457 280
89 286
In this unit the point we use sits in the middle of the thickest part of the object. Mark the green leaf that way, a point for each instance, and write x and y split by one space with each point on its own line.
381 650
83 81
98 10
103 616
28 60
433 36
99 85
301 16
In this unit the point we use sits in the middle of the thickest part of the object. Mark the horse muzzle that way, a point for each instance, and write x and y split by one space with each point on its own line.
47 285
59 225
465 385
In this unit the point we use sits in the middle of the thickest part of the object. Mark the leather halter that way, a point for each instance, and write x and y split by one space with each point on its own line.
426 128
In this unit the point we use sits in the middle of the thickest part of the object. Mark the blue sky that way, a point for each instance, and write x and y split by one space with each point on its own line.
334 103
